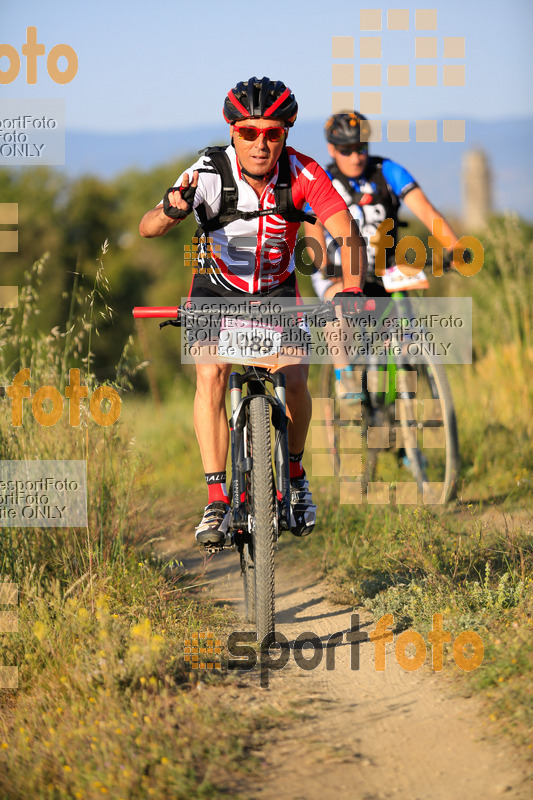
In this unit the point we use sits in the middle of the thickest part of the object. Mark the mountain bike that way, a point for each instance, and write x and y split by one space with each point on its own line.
260 487
405 410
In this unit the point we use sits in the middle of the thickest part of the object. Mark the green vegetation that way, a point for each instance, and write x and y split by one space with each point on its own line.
71 221
471 561
105 703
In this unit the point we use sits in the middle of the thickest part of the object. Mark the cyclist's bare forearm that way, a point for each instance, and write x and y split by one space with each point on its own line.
354 262
343 227
317 253
177 202
156 223
417 202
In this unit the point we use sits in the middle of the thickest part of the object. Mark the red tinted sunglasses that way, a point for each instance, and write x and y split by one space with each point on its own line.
250 133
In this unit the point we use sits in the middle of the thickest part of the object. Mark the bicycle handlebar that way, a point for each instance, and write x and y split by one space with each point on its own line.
177 312
324 309
155 312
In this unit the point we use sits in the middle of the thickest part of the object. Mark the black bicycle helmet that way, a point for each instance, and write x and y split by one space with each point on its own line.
347 128
260 98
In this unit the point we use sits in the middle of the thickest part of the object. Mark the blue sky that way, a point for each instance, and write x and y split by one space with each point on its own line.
169 65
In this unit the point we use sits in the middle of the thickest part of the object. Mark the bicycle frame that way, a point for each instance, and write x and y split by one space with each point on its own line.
256 378
260 493
393 363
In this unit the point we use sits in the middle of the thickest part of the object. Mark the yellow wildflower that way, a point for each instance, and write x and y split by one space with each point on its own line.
39 630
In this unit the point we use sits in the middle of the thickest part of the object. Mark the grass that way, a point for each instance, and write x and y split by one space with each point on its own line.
164 436
106 704
496 430
473 560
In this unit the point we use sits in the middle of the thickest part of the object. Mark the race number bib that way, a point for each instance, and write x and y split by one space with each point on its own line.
248 340
395 281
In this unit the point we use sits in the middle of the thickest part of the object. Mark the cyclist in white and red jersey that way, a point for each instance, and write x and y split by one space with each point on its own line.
254 256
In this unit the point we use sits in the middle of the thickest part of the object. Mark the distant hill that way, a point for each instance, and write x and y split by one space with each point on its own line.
436 166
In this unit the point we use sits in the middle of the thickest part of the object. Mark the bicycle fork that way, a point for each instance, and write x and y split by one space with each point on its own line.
240 460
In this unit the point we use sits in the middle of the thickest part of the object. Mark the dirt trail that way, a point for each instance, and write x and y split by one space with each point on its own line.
359 733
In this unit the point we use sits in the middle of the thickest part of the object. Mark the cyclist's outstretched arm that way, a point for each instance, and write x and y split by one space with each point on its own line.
316 232
353 250
417 202
156 222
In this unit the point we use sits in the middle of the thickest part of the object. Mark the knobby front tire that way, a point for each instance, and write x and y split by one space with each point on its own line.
420 425
331 412
247 572
262 516
432 445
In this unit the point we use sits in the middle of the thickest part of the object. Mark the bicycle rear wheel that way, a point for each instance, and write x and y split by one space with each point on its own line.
262 509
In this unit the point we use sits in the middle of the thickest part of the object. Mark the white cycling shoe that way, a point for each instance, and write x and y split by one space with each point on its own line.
215 521
303 511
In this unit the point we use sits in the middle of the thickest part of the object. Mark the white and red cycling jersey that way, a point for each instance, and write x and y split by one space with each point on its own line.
258 254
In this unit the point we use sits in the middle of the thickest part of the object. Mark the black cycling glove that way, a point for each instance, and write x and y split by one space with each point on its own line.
352 300
187 195
447 259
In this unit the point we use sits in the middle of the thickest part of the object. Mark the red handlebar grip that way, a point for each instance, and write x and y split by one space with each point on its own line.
144 312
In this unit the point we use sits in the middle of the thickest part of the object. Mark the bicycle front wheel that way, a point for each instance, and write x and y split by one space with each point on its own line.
339 415
430 433
421 439
262 515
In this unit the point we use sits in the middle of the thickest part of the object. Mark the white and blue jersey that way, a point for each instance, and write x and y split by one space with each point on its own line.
374 196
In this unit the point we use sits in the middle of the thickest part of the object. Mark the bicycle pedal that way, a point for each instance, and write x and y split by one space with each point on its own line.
227 544
211 549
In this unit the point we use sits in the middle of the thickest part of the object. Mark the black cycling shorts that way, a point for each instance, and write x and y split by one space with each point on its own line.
203 287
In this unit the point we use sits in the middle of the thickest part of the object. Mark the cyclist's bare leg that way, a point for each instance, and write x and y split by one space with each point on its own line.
210 418
299 410
352 381
299 405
